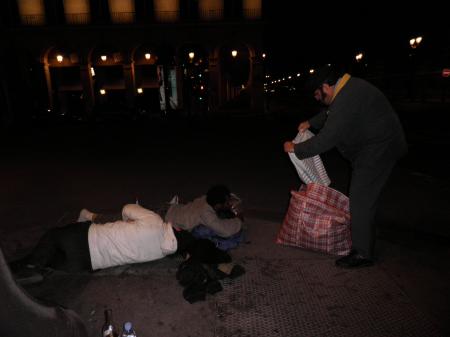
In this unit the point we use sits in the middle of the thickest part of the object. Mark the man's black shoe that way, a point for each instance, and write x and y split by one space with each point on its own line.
353 260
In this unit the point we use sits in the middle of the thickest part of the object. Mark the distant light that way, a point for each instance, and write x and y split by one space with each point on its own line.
445 72
415 42
311 71
140 90
148 56
298 74
103 57
199 75
283 79
202 87
234 53
329 64
359 57
264 55
92 71
242 86
49 110
59 58
102 91
191 55
289 77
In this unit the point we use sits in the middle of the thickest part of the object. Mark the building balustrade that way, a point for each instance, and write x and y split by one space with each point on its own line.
78 18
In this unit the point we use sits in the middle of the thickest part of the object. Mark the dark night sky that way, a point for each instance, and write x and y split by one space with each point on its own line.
301 34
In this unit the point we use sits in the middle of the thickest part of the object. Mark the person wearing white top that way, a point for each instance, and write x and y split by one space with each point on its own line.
140 236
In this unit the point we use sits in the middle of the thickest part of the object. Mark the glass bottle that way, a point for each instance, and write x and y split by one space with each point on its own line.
108 329
128 330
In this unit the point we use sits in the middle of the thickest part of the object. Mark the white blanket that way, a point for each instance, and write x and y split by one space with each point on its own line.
310 170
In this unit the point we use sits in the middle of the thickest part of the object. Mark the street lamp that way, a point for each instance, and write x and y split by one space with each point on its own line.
191 55
359 57
414 43
234 53
59 58
148 56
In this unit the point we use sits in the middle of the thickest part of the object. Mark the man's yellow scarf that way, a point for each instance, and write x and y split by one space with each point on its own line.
340 85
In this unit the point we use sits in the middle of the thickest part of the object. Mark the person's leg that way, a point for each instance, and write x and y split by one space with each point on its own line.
46 249
74 245
365 189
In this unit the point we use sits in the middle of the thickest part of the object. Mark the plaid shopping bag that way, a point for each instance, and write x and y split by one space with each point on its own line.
318 218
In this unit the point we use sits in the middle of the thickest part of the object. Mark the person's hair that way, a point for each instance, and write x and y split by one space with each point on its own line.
217 194
324 75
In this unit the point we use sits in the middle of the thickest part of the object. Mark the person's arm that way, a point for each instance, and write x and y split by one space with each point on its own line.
222 227
318 121
134 212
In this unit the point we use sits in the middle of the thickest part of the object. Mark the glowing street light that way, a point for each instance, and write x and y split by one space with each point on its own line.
140 90
102 91
234 53
414 43
311 71
359 57
59 58
263 55
191 55
148 56
103 57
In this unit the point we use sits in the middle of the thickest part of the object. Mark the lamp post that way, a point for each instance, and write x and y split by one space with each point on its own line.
414 43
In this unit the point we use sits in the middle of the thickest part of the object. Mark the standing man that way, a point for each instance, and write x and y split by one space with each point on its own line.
361 123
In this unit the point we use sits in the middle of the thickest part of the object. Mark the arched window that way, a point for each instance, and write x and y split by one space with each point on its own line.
77 11
210 9
252 9
122 11
167 10
32 12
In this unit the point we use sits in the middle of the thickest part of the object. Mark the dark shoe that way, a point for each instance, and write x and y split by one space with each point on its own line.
195 292
353 260
213 287
237 271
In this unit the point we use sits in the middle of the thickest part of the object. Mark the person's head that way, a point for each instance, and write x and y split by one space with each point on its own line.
218 197
322 83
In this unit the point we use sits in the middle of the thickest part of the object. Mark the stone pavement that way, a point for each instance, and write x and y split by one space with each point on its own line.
286 292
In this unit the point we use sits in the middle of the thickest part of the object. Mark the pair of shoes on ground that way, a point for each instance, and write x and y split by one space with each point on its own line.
354 260
235 272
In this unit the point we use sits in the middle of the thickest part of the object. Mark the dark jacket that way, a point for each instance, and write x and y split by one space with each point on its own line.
361 123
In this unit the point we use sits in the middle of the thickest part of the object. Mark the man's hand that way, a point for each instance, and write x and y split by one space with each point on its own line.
304 126
289 147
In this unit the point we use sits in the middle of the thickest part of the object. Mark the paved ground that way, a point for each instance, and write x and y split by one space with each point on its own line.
49 173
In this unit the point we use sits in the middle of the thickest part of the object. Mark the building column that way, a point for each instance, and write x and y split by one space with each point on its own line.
87 82
130 85
48 82
215 97
256 84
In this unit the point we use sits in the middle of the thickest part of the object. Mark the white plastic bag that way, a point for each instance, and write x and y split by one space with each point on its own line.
310 170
